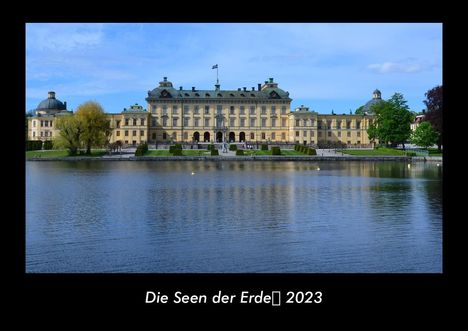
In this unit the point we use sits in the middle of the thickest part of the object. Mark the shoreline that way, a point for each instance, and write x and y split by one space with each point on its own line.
246 158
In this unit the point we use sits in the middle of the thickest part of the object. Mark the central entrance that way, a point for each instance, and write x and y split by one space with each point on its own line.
232 137
219 137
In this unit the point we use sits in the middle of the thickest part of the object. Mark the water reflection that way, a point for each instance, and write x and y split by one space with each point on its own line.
233 217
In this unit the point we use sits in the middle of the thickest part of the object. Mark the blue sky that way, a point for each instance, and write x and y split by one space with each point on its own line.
324 66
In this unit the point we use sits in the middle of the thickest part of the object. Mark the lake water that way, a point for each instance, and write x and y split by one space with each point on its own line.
158 217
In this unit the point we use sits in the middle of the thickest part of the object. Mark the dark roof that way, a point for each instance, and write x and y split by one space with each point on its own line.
161 93
369 104
52 104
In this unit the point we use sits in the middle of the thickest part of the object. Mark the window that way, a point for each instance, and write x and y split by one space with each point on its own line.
164 135
242 110
242 122
126 133
153 136
231 110
232 121
126 141
297 133
359 133
164 121
185 135
164 110
252 110
305 133
358 124
186 121
312 141
126 121
252 122
283 122
142 121
134 133
273 110
312 133
263 135
153 122
252 136
283 136
263 122
207 109
319 133
42 134
174 136
358 142
34 124
207 122
174 122
117 124
142 133
273 122
305 122
46 123
329 125
298 123
339 133
34 133
348 134
196 122
174 109
348 125
196 110
283 110
263 110
338 125
186 109
329 133
273 136
312 122
134 122
219 109
117 133
42 123
319 124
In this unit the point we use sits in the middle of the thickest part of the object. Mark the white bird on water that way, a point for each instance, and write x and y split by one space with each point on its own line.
409 165
438 164
318 168
193 173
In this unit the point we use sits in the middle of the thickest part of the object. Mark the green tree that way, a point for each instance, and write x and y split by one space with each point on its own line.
359 111
70 133
393 119
434 105
424 135
94 124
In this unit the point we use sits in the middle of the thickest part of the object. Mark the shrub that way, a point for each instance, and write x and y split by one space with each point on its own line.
141 149
410 153
275 151
48 144
311 151
264 147
296 147
233 147
211 147
175 147
33 145
240 152
177 152
214 152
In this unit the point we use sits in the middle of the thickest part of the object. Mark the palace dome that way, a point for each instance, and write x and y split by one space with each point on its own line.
51 103
376 99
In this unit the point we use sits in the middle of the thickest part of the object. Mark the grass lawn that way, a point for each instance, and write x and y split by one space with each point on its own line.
60 153
374 152
187 152
434 152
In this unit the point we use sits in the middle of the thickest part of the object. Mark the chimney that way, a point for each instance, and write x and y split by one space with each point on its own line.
51 95
259 87
180 88
245 88
253 88
165 79
193 88
266 82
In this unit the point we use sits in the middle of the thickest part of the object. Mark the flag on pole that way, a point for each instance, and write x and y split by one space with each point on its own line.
215 66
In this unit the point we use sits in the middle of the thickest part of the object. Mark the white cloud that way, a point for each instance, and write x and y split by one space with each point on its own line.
398 67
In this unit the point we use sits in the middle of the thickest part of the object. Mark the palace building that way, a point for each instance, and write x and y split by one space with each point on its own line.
262 115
